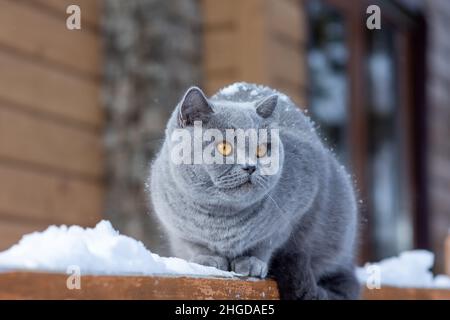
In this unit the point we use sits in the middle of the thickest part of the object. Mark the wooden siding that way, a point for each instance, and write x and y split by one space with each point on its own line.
267 48
51 157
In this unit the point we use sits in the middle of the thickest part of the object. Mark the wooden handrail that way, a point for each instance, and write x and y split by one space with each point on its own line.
396 293
41 285
28 285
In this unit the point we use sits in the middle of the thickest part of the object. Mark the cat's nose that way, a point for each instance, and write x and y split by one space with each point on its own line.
250 169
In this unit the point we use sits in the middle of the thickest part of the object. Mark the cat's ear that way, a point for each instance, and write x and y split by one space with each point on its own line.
193 107
266 106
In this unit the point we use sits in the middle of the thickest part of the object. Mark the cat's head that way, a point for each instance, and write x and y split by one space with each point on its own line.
224 151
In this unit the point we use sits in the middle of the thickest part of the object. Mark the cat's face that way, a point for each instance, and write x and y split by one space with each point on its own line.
239 153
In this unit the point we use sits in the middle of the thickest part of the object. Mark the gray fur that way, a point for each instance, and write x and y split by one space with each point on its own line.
298 226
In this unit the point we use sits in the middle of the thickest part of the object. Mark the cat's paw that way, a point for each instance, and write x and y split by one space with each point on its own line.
249 266
212 261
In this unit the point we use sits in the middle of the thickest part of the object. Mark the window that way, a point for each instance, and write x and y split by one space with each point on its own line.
327 60
365 99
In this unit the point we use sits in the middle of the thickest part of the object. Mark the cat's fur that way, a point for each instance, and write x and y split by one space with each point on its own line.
298 225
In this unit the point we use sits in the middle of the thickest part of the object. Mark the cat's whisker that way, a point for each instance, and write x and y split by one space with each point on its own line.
281 213
224 174
199 184
231 178
283 216
261 182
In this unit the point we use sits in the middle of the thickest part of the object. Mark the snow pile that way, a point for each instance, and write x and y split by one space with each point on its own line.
99 250
102 250
409 269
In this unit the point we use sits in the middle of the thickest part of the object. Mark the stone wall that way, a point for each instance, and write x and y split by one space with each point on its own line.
152 53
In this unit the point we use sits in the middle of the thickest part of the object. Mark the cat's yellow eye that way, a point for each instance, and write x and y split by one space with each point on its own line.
224 148
261 150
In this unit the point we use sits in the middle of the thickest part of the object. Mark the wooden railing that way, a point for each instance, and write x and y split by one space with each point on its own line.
27 285
23 285
20 285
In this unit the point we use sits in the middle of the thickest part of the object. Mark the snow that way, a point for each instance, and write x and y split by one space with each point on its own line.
231 89
99 250
102 250
253 90
409 269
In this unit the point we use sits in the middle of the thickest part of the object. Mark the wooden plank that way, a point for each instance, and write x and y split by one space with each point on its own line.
90 9
28 138
12 232
218 13
219 50
29 285
43 197
45 36
251 42
394 293
287 63
286 19
23 285
252 51
39 88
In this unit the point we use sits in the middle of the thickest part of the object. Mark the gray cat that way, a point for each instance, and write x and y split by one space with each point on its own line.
297 225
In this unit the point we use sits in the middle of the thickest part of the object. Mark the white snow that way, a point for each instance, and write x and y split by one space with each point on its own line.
232 88
102 250
254 90
99 250
409 269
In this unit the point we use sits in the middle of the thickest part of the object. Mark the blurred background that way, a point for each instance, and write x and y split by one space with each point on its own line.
82 112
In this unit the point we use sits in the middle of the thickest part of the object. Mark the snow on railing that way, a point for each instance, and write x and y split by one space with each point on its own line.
99 263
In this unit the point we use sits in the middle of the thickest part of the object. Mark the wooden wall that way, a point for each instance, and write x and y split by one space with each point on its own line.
51 166
257 41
